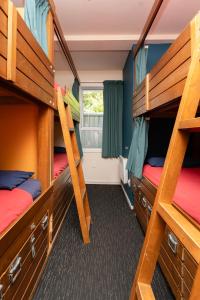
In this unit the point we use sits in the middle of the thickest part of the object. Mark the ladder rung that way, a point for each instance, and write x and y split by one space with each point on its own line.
190 124
186 232
144 292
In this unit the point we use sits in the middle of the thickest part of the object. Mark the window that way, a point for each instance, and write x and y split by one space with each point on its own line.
92 118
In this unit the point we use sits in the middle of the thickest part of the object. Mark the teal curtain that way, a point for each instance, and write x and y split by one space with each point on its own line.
75 91
138 148
141 65
112 119
35 16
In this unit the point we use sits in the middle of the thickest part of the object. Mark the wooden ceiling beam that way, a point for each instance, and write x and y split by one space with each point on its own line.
62 41
147 26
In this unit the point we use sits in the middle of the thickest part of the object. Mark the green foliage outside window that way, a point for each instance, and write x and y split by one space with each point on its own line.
93 101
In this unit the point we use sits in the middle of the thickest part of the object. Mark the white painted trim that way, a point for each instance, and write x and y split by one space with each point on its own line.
102 182
127 198
92 150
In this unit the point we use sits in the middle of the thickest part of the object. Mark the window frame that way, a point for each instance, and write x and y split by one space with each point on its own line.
82 128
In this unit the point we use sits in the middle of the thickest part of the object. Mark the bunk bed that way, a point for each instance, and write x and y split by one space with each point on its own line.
159 96
27 109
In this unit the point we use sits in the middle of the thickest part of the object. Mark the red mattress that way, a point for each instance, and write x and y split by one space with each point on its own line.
60 163
187 194
12 205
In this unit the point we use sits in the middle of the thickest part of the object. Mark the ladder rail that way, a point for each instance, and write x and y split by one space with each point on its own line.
179 141
74 156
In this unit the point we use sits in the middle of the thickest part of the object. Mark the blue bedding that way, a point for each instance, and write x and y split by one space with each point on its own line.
31 186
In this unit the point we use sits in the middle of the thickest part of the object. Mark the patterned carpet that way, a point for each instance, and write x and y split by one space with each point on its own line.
104 269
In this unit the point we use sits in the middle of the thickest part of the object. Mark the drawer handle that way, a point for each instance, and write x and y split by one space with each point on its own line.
45 222
149 209
1 291
172 242
144 202
33 252
15 269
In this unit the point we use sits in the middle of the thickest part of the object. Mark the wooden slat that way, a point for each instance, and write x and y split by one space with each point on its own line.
31 56
3 67
3 23
4 6
175 77
3 45
174 48
171 94
171 66
153 13
32 88
140 103
190 124
144 292
187 233
139 111
28 36
23 65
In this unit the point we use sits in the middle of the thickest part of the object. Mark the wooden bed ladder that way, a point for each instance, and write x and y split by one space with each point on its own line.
164 212
75 166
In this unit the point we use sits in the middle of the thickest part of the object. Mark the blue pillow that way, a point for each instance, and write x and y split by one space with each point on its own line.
32 186
11 179
156 161
59 150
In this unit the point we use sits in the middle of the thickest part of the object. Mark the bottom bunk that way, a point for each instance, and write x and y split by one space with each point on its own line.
24 247
176 262
62 190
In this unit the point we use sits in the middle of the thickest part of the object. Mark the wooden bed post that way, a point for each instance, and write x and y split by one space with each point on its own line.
164 213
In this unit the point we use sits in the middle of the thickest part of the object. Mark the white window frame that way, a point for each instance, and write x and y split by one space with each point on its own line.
82 128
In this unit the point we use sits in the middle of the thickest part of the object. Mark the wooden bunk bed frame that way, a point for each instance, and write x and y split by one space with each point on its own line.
27 76
173 85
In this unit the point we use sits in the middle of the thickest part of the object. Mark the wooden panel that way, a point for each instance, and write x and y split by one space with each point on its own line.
28 36
3 23
174 282
139 111
172 93
3 67
171 66
189 263
3 45
31 72
4 6
32 88
179 74
183 38
25 49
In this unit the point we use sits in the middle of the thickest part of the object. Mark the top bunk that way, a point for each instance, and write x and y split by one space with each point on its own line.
26 66
164 84
23 63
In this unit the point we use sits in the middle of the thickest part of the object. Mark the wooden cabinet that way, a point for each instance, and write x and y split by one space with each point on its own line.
176 262
24 249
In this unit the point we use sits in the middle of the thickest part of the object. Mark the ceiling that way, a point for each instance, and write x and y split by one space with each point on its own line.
100 33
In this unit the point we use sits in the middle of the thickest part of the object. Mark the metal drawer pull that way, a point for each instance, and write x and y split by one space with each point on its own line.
172 242
15 269
149 209
45 222
144 202
33 252
1 291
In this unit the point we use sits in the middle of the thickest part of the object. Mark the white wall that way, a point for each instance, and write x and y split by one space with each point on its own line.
97 170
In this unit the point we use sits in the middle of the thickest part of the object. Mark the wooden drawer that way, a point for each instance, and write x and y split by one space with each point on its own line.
189 263
171 274
185 292
17 275
141 215
3 37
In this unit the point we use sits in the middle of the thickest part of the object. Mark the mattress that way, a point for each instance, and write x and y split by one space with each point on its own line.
187 194
15 202
60 163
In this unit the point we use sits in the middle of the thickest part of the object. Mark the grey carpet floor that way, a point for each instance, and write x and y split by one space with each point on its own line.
104 269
